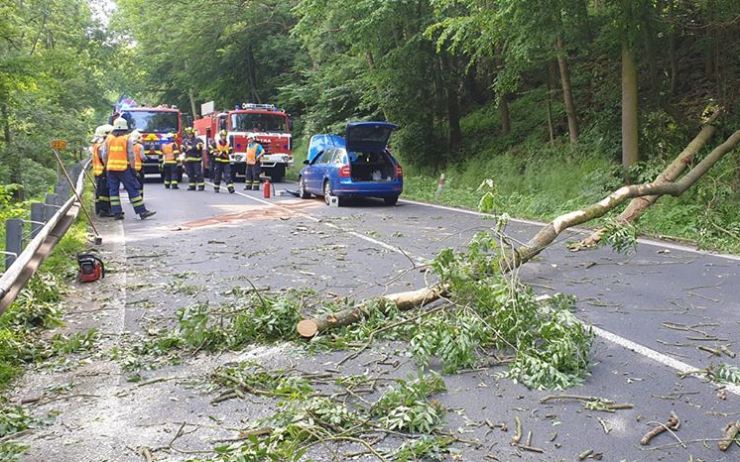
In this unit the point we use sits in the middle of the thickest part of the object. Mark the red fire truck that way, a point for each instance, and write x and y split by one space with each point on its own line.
267 123
156 125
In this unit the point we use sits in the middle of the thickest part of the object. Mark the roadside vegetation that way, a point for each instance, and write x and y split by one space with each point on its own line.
26 332
541 180
24 326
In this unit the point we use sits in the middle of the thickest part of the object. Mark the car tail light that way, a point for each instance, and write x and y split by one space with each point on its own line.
344 171
399 171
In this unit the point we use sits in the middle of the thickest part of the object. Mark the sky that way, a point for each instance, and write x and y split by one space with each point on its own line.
102 10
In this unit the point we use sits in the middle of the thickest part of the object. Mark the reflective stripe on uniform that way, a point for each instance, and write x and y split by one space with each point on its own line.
117 153
98 166
138 156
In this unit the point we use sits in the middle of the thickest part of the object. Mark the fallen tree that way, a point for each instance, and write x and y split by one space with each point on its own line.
513 257
637 206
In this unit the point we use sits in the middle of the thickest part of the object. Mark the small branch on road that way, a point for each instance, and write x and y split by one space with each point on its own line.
731 432
673 424
593 403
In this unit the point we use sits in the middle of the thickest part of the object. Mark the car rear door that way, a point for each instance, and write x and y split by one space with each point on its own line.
368 136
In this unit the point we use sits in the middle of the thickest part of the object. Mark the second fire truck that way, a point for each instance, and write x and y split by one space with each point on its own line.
269 125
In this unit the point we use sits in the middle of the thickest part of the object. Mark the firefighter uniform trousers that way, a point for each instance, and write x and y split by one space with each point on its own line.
131 184
222 169
169 165
102 197
140 178
169 169
253 176
195 173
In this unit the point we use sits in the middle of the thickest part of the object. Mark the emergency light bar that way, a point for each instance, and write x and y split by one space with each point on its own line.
269 107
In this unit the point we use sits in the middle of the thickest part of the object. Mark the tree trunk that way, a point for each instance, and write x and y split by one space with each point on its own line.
518 256
639 205
12 157
570 108
503 111
453 108
252 75
550 126
371 65
630 155
674 63
192 103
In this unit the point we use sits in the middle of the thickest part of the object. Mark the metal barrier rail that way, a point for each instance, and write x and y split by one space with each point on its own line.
27 262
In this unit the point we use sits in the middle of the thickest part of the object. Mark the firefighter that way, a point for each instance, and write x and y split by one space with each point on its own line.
220 150
102 199
255 151
138 160
170 152
118 155
193 149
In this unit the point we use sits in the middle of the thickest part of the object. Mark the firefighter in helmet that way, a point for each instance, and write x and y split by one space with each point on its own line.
255 151
117 153
170 152
102 199
220 150
138 159
193 149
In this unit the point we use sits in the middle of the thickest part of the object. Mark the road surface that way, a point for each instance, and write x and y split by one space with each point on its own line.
651 311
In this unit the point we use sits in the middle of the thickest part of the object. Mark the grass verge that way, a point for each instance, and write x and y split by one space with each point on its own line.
541 182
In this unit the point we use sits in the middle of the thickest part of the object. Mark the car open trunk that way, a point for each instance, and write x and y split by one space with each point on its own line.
373 166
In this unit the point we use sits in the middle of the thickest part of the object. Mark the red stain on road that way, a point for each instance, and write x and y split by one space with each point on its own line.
285 210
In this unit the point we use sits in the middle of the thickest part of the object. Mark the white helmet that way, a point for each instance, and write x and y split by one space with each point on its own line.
98 134
136 135
107 128
120 124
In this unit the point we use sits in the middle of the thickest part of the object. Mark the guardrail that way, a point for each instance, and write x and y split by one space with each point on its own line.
49 221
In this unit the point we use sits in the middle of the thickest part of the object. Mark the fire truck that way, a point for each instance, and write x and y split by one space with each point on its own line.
156 125
269 125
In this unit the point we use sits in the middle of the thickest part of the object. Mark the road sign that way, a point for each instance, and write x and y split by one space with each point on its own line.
207 108
59 145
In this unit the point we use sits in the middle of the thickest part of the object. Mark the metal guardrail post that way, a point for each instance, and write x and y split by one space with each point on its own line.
24 265
13 240
38 210
52 199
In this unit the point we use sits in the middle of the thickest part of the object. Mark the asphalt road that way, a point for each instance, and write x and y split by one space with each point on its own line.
652 311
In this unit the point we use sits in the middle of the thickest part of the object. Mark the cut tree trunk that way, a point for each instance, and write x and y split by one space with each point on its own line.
516 257
404 301
639 205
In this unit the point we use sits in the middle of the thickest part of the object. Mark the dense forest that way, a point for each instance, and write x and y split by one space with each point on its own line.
557 101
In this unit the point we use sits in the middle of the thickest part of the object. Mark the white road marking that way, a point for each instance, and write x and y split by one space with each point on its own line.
651 242
336 227
679 366
627 344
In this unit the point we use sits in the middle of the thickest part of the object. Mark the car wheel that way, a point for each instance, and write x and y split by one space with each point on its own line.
327 193
302 193
390 200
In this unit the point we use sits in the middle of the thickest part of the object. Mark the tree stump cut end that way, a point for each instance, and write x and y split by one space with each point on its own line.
307 328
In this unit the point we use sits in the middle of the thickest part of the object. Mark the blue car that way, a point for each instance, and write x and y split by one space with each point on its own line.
356 165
